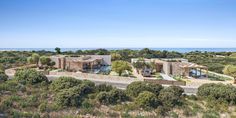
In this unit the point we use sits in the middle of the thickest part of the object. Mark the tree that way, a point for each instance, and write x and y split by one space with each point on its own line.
30 60
121 66
115 56
34 59
140 64
102 52
147 100
30 76
58 50
3 76
231 71
46 61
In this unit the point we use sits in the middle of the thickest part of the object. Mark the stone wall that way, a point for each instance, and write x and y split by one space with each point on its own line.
166 68
94 76
176 69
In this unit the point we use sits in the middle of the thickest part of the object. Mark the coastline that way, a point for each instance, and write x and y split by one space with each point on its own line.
181 50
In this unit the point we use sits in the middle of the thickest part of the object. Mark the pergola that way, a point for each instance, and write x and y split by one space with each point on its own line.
188 66
87 62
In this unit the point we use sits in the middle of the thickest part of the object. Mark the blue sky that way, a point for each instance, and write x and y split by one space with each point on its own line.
117 23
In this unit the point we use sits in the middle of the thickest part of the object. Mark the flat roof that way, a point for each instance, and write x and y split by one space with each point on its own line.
85 59
191 65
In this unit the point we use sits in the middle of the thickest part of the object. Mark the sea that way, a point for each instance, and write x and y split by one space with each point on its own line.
182 50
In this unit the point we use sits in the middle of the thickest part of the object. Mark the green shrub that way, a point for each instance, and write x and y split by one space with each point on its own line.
21 87
10 85
117 96
174 115
64 83
176 90
155 88
19 114
135 88
43 107
171 96
211 114
36 115
113 97
14 98
53 107
147 100
85 89
104 87
30 76
89 83
86 104
162 110
70 91
24 104
30 101
219 92
187 111
103 98
217 105
192 97
6 104
68 97
3 76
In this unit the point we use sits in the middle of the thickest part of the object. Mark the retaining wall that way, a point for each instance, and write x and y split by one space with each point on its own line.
167 82
92 76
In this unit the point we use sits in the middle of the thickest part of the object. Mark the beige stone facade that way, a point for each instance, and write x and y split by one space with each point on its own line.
175 66
81 63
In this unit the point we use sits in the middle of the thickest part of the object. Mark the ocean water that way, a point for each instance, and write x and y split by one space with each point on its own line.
182 50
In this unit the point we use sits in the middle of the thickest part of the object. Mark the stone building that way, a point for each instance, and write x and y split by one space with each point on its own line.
176 66
81 63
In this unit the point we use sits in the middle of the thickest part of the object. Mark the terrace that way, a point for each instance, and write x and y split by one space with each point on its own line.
194 70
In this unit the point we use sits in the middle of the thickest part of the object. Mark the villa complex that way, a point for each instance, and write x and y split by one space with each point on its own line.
81 63
176 66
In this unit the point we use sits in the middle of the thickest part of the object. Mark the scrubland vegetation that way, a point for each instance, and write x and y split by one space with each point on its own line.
30 94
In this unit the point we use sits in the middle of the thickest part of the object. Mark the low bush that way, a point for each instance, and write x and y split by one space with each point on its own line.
30 76
64 83
10 85
3 76
211 114
218 92
19 114
113 97
147 100
43 107
103 98
69 97
135 88
171 96
86 104
104 87
6 104
187 111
